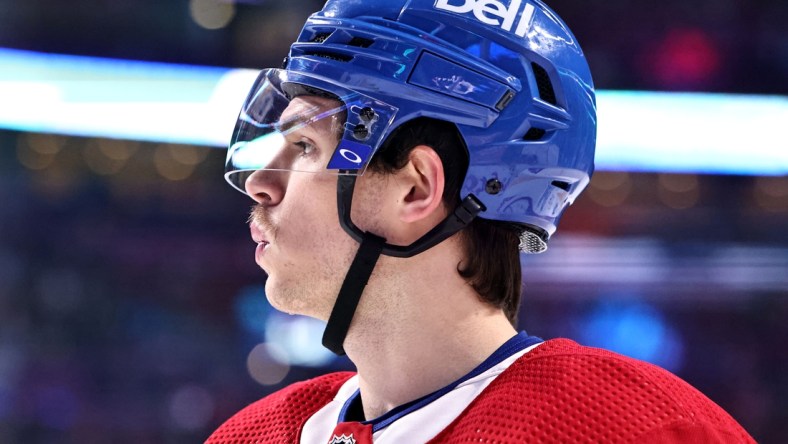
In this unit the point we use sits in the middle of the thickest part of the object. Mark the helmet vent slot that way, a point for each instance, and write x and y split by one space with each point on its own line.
544 84
361 42
561 184
320 37
332 56
534 134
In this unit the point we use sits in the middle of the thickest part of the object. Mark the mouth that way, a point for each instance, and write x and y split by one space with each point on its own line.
257 234
260 239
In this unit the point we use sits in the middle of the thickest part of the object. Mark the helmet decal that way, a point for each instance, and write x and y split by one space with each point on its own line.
493 12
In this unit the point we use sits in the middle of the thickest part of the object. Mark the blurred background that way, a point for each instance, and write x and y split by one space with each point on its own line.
131 309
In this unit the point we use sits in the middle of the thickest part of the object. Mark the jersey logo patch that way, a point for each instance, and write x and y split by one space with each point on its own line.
493 12
343 439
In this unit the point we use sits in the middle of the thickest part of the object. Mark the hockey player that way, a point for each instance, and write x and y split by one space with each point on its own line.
402 158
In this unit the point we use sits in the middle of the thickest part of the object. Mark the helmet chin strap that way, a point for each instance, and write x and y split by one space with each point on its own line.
370 249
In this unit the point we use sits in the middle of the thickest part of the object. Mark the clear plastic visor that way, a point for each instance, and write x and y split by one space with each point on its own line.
292 122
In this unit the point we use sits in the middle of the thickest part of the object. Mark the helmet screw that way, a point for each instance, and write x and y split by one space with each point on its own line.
367 114
494 186
360 132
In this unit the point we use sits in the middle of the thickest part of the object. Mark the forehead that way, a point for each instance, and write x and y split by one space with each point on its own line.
314 112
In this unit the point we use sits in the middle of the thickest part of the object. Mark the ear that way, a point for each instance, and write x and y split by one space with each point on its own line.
422 182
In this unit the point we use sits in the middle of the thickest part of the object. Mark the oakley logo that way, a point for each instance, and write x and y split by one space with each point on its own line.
493 12
350 156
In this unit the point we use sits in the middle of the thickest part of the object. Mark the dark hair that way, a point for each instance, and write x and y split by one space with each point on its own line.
492 256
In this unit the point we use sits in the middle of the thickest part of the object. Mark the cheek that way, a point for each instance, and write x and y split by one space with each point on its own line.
369 205
310 225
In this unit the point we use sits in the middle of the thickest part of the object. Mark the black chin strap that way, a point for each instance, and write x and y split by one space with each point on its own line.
369 251
350 293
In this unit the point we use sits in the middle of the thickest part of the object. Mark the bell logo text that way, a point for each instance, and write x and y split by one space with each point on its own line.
493 12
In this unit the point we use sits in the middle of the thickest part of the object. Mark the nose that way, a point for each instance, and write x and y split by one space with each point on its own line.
266 187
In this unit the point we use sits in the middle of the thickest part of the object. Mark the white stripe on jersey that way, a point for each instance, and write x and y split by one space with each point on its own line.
417 426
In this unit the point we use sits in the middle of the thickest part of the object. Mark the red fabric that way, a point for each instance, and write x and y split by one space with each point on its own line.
559 392
563 392
279 417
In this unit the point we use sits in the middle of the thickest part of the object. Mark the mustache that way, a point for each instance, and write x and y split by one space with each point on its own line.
260 217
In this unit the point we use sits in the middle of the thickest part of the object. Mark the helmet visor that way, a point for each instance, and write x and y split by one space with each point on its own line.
293 122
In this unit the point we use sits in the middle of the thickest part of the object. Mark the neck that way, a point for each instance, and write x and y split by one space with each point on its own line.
409 339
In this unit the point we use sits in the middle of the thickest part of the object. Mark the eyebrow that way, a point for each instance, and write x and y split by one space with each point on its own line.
292 123
300 120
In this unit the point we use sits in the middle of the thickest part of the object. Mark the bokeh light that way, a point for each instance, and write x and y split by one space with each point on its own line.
168 166
212 14
300 339
610 188
771 193
263 367
45 143
635 329
188 154
684 58
100 162
117 149
191 407
38 151
252 310
291 339
678 191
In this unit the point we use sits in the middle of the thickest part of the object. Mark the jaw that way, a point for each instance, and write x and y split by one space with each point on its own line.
305 294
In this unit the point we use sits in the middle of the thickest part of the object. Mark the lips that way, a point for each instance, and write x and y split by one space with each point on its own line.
262 243
257 234
259 254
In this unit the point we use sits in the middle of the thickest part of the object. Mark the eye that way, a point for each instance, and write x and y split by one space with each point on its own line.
305 146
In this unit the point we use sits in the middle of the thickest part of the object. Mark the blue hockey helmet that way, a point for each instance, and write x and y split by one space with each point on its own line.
508 73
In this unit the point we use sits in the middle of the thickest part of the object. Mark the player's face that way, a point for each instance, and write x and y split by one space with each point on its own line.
301 246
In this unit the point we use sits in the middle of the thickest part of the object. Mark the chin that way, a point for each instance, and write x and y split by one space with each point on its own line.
274 295
289 299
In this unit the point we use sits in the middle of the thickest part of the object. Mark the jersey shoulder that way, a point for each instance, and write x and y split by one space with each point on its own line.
280 416
564 392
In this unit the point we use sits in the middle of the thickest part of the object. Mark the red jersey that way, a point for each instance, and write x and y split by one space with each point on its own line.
558 392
